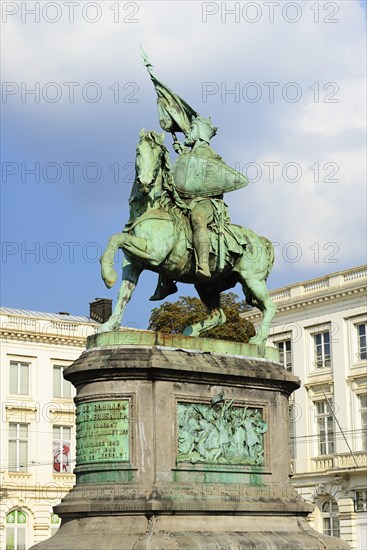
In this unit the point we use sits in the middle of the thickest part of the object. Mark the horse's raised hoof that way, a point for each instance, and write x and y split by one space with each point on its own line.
110 281
109 276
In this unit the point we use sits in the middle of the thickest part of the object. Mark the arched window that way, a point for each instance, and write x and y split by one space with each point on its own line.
330 518
16 530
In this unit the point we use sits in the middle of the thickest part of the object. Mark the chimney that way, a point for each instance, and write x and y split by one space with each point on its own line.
100 309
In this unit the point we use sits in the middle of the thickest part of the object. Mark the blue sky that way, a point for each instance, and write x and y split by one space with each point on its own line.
284 85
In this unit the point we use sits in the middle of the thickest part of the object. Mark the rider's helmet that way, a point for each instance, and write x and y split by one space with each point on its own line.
205 128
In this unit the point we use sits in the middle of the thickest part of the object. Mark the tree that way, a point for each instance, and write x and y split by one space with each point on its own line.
173 317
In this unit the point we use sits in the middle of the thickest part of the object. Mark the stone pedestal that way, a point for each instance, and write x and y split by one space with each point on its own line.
180 448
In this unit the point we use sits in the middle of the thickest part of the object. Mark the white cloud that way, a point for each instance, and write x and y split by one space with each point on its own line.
187 52
342 109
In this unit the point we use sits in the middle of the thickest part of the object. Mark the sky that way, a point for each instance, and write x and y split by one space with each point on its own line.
284 82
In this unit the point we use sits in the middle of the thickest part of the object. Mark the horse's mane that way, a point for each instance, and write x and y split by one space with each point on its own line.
170 201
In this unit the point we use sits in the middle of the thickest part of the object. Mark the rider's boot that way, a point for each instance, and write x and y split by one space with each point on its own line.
165 287
202 268
201 215
202 249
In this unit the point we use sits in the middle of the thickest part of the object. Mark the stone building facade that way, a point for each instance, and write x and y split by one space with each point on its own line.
37 437
320 331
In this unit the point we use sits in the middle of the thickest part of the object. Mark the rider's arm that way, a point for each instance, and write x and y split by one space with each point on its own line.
179 148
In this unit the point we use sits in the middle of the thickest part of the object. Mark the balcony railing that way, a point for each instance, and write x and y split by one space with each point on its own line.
342 461
332 281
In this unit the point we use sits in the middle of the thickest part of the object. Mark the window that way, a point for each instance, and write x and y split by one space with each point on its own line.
325 428
61 449
292 430
19 378
16 530
62 388
330 518
322 350
361 338
361 501
285 354
18 447
55 524
363 409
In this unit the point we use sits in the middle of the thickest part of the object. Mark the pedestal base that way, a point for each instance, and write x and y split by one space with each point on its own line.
182 449
206 532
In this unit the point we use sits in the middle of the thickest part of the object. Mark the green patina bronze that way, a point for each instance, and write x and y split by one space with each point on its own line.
102 431
133 337
179 225
220 433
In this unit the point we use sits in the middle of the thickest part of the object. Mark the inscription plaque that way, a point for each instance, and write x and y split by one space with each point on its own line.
102 431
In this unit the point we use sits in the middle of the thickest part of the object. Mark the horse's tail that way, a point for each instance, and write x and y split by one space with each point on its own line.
269 248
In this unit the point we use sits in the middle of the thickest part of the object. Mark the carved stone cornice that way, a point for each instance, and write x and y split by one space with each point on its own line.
157 363
32 337
313 300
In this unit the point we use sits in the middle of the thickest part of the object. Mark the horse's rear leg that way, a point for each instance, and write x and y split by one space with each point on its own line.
211 299
130 276
257 287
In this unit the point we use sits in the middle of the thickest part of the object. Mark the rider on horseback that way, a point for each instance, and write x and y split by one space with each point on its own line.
198 137
200 178
173 211
202 208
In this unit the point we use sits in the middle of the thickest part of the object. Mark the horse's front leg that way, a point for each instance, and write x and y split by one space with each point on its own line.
130 276
108 272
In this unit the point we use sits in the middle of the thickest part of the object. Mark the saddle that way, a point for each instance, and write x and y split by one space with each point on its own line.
227 241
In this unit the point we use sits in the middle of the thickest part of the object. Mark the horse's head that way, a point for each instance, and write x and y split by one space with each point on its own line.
150 155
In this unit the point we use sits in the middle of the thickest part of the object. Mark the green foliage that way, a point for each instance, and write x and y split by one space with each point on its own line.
173 317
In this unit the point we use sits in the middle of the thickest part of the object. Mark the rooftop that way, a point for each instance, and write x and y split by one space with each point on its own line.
44 315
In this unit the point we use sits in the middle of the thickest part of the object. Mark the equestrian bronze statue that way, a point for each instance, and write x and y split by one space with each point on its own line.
179 226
